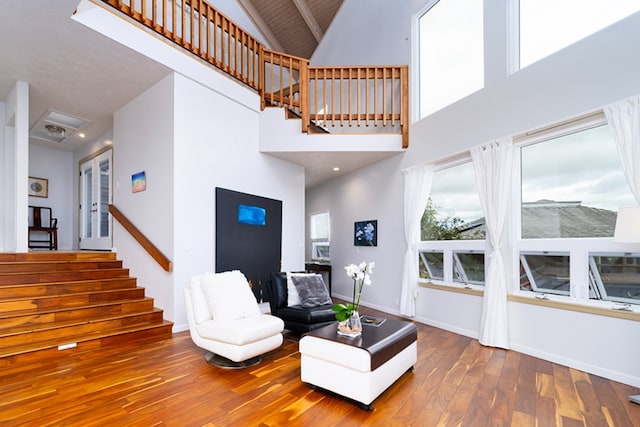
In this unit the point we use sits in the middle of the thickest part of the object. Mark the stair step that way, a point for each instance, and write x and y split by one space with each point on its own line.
58 276
42 350
66 332
12 322
81 299
56 256
50 266
32 305
27 290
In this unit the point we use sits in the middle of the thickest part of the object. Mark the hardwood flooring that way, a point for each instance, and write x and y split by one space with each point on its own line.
456 382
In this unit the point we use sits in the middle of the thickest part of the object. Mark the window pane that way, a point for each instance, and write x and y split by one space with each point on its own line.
319 226
451 53
617 277
453 211
320 250
431 265
544 273
468 268
547 26
572 186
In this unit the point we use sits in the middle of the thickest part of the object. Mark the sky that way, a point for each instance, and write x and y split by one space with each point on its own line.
579 167
451 40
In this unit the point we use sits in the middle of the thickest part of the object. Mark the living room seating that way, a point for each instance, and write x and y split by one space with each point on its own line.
43 228
300 313
225 320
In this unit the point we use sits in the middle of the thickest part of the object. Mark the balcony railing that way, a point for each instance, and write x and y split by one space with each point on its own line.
371 99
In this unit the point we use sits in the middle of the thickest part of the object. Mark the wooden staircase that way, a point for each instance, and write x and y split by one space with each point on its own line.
55 301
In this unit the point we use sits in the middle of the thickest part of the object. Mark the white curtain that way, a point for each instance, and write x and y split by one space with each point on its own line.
493 166
417 187
624 120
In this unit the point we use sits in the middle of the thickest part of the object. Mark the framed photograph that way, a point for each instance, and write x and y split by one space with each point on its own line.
38 187
365 233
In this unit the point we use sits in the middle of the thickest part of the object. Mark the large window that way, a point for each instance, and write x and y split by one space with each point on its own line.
452 229
451 52
547 26
571 186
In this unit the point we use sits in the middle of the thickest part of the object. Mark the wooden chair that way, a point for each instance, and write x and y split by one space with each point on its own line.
42 223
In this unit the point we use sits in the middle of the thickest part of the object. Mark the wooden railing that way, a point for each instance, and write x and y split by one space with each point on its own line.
370 99
199 28
151 249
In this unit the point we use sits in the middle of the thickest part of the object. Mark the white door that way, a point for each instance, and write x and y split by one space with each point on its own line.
95 197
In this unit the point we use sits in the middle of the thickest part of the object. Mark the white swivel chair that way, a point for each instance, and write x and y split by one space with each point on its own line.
224 319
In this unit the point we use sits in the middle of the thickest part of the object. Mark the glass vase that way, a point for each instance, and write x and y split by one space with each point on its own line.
351 327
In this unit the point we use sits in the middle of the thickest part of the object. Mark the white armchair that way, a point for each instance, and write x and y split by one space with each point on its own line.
225 320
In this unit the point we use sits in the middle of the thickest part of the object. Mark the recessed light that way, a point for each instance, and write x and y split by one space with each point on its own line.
336 169
81 135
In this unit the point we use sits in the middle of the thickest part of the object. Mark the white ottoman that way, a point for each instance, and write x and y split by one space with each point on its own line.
358 368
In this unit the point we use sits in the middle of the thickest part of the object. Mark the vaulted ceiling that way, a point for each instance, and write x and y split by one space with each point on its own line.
292 26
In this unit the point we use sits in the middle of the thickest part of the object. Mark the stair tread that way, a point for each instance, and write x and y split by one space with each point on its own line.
72 294
60 256
55 342
72 322
44 311
64 282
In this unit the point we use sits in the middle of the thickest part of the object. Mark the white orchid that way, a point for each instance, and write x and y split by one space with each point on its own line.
361 275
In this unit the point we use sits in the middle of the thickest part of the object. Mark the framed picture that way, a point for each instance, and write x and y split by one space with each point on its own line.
38 187
138 182
365 233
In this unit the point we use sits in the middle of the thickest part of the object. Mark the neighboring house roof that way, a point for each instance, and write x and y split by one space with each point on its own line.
550 219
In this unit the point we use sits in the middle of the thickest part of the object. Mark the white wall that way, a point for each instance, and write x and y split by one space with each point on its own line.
56 166
15 168
189 140
3 179
581 78
143 140
216 145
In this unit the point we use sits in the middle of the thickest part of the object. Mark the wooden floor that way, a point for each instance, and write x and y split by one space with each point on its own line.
455 382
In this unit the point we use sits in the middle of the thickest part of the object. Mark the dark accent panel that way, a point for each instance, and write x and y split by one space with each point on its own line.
256 250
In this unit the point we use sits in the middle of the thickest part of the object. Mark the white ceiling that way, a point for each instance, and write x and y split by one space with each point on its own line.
74 70
69 67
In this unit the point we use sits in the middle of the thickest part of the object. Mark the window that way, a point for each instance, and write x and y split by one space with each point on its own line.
432 265
451 53
468 267
615 277
452 228
571 186
545 273
547 26
319 234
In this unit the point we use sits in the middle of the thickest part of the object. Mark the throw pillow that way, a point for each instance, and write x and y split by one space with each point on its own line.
312 290
229 296
292 293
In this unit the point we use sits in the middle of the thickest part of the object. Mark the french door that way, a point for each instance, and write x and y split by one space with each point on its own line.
95 197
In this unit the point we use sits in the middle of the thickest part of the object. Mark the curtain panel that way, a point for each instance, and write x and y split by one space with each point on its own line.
624 121
417 187
493 167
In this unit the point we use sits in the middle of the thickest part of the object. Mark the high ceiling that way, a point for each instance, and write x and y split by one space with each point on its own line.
72 69
292 26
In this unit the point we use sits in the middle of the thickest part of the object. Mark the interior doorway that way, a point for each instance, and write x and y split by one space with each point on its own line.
95 197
